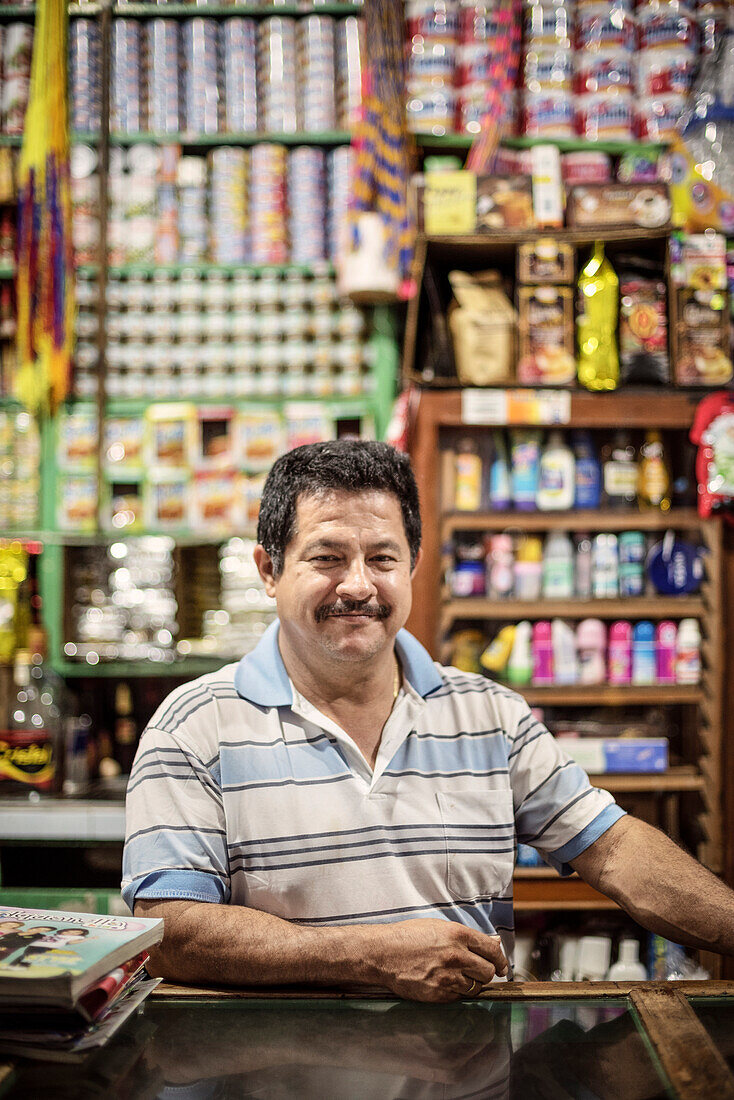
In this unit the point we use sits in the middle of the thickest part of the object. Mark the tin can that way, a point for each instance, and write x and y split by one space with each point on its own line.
163 75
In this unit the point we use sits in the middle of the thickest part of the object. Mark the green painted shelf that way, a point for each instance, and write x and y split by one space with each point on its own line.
323 267
205 141
219 11
186 668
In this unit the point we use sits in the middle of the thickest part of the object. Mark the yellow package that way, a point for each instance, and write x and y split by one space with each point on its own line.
596 323
698 203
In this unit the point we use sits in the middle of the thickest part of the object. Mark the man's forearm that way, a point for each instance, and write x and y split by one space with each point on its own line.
660 886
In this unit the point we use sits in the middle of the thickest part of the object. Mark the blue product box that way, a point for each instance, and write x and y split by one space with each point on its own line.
644 754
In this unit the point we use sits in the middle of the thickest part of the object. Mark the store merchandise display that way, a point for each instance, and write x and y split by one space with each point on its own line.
20 459
597 71
16 48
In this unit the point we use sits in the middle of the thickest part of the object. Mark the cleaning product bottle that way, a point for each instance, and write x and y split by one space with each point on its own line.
644 667
584 567
542 646
605 566
591 647
529 568
565 664
500 563
619 667
688 652
525 450
499 475
596 322
468 476
653 486
619 471
587 492
497 654
628 967
520 664
631 546
556 483
558 562
666 638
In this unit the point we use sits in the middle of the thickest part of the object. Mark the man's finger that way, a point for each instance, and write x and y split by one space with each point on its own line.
490 948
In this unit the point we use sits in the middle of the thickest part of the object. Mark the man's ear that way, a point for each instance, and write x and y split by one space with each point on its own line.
264 564
418 557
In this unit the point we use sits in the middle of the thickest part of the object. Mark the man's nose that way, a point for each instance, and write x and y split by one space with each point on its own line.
355 581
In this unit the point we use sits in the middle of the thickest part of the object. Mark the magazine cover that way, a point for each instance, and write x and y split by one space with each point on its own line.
49 956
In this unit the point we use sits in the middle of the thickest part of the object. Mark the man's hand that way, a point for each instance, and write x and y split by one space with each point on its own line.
435 960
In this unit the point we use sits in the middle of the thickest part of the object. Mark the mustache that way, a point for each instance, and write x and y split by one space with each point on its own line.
351 607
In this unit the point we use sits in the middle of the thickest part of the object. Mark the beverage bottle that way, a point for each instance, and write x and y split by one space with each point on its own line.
620 653
558 567
557 482
596 322
587 490
619 471
605 567
688 652
644 665
529 568
666 638
500 494
125 734
653 488
542 647
520 663
591 646
31 749
525 450
565 664
468 476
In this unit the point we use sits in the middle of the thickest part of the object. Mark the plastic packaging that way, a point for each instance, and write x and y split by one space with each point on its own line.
644 668
628 967
529 568
605 567
596 323
565 665
591 645
542 647
584 567
499 475
653 489
468 474
558 567
525 448
520 663
619 472
593 959
556 485
500 567
497 654
688 652
631 563
666 639
620 653
587 471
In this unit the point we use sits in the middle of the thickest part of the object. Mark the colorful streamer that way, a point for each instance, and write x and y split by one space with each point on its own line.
45 260
502 80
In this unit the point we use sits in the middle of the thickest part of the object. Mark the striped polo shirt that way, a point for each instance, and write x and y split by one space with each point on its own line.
243 792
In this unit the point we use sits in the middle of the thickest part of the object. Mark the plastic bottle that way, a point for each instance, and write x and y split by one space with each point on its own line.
596 322
628 967
619 472
644 668
605 567
593 958
619 666
529 568
558 567
631 545
557 479
497 654
666 638
688 652
525 449
653 487
500 496
591 647
33 758
584 567
565 664
468 476
520 664
542 646
587 491
500 564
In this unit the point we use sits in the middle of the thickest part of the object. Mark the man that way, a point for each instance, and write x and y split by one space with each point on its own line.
355 806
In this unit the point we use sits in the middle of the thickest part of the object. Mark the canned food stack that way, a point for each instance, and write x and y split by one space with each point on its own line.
307 205
116 189
666 63
269 204
547 68
126 100
84 203
238 50
315 104
199 38
166 229
605 58
478 32
163 70
228 205
432 30
84 75
17 50
348 91
339 168
193 223
139 206
277 80
712 23
86 353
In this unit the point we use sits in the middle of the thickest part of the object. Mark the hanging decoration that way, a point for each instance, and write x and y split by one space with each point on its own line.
45 261
378 260
502 80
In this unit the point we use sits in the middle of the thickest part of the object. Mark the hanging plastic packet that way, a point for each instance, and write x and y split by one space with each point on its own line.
596 323
713 433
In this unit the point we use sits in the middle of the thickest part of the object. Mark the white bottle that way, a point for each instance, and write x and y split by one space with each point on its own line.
565 661
520 664
628 967
688 652
557 480
558 567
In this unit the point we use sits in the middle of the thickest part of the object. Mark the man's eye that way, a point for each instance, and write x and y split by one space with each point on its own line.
384 559
324 557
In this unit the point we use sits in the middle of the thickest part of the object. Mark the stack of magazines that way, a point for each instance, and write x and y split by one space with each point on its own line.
68 981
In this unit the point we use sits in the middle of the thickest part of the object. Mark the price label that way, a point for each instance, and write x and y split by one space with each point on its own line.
515 406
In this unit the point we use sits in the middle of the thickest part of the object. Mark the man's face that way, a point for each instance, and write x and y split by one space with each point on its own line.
344 591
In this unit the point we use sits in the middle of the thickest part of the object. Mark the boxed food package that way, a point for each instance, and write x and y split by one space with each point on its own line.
248 494
166 501
643 330
76 506
698 260
260 438
700 343
546 336
213 501
449 203
77 440
604 755
122 506
171 432
545 261
504 202
124 438
619 204
483 324
214 438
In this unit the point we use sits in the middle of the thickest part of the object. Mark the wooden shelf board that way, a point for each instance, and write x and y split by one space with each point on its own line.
608 695
550 891
651 607
683 519
683 778
480 242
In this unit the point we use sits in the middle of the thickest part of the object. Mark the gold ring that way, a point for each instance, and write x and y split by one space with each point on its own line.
473 988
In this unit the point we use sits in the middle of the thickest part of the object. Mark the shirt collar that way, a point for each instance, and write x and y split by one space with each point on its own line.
262 679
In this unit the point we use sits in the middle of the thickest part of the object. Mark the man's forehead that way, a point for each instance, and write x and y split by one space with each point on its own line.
337 500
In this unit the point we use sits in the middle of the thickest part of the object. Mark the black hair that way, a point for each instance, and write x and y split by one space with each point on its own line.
347 465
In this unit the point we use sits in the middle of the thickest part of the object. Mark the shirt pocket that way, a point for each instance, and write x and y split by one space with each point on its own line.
479 834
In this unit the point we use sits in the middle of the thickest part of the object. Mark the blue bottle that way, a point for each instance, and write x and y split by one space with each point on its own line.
588 471
644 665
499 475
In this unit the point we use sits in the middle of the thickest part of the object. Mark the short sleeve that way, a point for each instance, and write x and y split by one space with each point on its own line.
175 844
557 810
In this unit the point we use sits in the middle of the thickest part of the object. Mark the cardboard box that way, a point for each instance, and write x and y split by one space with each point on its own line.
449 203
504 202
608 756
546 336
546 262
624 205
700 337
